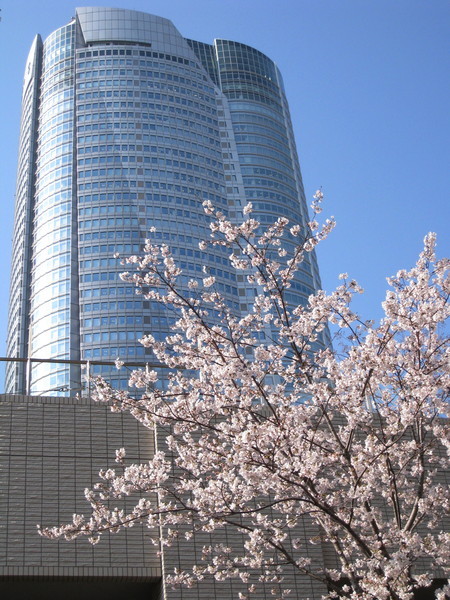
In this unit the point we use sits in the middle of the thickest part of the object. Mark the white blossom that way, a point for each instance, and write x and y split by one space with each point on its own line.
119 363
209 281
272 429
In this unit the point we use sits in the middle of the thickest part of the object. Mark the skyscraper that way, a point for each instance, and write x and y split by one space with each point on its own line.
126 124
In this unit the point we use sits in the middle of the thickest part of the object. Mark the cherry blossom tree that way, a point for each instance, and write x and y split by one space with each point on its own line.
264 426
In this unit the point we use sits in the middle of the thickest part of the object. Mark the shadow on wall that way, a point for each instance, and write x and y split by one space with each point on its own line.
421 594
75 590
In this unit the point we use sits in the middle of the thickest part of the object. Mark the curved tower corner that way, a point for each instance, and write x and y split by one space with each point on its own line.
18 318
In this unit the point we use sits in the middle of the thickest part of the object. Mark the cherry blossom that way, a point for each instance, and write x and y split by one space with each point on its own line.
265 434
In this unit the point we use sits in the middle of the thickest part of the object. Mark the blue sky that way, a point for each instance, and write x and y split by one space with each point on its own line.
368 86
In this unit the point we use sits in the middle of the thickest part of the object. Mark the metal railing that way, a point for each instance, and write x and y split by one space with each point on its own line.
88 364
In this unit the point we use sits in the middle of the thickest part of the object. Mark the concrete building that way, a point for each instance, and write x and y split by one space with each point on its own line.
51 449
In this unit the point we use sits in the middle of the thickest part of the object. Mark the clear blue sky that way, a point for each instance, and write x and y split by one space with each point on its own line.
368 87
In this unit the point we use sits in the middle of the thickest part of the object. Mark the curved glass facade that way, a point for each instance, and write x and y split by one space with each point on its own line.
17 341
127 126
53 282
264 143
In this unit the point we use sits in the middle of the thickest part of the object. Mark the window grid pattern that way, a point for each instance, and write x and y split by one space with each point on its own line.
149 154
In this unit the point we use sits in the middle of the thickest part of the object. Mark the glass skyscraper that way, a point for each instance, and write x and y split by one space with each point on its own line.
128 125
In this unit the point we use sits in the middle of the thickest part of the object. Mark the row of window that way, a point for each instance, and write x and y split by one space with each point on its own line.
49 132
58 173
82 96
50 212
176 251
51 154
107 291
57 69
114 305
140 73
251 158
244 56
111 196
50 165
130 83
179 237
147 53
280 156
140 171
41 242
158 237
192 192
176 135
55 98
64 138
153 106
261 140
174 123
111 222
51 291
112 320
55 118
103 185
133 183
247 108
128 62
126 249
201 231
111 336
284 202
163 108
113 352
251 117
239 93
163 162
56 50
48 306
144 149
162 118
268 173
48 320
249 80
42 337
129 291
261 182
132 137
56 86
103 235
49 250
103 276
252 128
58 270
185 266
